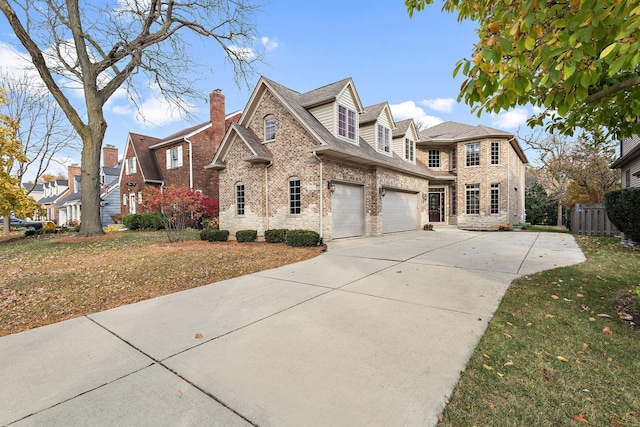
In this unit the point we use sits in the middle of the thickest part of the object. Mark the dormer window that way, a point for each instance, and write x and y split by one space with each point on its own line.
384 139
409 149
346 122
269 128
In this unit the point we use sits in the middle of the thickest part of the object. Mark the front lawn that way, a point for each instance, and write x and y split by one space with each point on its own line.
557 351
51 278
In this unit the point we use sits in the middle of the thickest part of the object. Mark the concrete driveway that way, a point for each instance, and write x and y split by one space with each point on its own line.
372 333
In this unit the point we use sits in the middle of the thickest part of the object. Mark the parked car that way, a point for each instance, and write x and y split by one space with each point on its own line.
22 223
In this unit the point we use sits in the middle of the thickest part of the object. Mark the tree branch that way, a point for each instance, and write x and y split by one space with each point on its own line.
612 89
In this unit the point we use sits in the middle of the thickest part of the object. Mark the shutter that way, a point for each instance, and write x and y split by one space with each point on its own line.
179 156
168 152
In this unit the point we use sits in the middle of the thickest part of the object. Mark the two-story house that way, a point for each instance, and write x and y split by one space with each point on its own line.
320 160
483 175
178 160
53 192
629 161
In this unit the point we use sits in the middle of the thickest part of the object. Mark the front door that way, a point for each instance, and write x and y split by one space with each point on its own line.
436 206
132 203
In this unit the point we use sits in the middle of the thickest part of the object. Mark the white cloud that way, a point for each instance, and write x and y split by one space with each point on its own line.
269 44
409 109
511 119
153 111
444 105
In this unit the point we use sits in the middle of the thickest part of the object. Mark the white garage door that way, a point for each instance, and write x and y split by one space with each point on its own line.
347 211
399 211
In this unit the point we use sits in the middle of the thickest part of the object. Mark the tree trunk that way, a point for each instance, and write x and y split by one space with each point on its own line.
91 224
6 226
559 222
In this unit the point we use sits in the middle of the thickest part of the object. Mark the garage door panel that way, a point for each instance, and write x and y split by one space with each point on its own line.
399 211
347 211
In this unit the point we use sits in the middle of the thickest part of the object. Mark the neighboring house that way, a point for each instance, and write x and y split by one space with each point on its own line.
36 191
488 170
629 161
177 160
54 191
70 206
321 161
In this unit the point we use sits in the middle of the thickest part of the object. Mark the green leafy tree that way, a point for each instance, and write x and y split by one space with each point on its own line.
577 60
104 47
13 197
541 209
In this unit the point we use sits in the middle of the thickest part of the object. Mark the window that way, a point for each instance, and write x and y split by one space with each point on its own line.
473 199
473 154
454 158
495 152
495 199
124 200
269 128
346 122
132 203
139 197
239 199
174 157
384 143
434 158
409 149
294 196
627 178
454 200
130 166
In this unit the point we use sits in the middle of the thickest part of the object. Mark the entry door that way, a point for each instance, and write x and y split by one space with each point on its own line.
132 203
436 206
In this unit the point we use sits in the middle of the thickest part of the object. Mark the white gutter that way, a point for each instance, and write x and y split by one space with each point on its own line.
190 163
321 194
266 195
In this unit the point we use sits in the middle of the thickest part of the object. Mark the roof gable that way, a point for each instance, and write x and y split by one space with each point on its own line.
144 156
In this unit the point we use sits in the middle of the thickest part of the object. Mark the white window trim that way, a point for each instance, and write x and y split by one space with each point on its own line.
383 146
351 118
244 199
130 166
267 119
299 208
171 162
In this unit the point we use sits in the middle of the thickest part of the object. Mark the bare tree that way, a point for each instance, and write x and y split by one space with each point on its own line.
43 130
589 168
553 171
100 48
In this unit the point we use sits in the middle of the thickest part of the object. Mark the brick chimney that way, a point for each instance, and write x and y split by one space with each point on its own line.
72 171
216 112
109 156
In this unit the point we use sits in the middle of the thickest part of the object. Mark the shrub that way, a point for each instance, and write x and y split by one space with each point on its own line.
623 209
427 227
151 221
212 235
211 223
132 221
246 235
504 227
302 238
113 228
30 232
117 218
276 235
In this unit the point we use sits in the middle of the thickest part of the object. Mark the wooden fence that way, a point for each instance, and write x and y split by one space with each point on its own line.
591 220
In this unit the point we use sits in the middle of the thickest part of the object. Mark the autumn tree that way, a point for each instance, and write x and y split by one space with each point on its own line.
576 60
13 197
178 207
43 130
103 47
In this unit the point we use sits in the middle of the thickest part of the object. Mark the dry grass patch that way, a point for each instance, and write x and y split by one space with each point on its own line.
50 279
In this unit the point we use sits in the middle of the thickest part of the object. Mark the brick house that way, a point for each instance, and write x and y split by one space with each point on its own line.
487 167
178 160
629 161
321 161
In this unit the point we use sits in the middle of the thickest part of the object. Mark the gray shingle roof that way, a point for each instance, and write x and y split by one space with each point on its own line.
146 160
402 128
371 113
454 131
321 95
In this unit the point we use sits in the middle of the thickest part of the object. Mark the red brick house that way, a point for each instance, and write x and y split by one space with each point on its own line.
177 160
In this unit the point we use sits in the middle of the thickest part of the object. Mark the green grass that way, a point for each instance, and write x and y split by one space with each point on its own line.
545 360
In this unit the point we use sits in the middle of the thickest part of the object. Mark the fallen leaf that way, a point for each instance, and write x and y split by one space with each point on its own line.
507 335
545 375
604 315
562 359
607 330
486 356
198 336
592 319
591 399
580 295
179 393
487 367
509 363
585 345
549 316
492 406
580 418
440 417
617 422
567 299
528 325
500 374
555 296
512 325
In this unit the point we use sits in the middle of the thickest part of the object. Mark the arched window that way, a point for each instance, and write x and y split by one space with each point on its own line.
269 128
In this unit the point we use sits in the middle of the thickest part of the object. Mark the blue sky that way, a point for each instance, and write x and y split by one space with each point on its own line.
390 57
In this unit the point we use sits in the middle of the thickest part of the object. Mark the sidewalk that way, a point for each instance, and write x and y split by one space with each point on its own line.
373 332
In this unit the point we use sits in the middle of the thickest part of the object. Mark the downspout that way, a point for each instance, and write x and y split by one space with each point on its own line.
321 196
266 195
190 163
